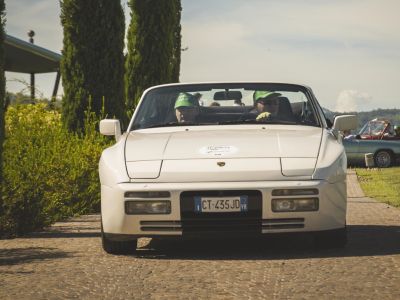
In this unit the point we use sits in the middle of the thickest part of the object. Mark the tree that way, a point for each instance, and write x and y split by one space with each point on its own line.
176 54
2 96
92 65
154 42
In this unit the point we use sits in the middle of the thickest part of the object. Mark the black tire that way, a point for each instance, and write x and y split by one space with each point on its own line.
383 159
118 247
333 239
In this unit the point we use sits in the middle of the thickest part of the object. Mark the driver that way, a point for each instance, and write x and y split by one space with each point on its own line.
186 108
266 104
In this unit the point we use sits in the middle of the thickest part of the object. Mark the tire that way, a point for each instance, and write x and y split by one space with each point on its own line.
334 239
383 159
117 247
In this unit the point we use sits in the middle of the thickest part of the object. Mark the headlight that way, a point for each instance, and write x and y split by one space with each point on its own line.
287 205
147 207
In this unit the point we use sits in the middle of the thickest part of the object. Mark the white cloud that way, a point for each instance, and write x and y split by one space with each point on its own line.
352 100
330 45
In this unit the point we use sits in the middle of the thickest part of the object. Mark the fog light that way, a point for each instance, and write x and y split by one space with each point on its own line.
147 207
287 205
283 205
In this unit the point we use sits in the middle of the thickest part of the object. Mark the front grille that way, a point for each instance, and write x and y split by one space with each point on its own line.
287 223
225 222
174 226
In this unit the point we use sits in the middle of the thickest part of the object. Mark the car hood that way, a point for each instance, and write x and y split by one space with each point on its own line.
289 150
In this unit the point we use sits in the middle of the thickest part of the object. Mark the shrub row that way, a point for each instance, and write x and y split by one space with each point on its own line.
49 173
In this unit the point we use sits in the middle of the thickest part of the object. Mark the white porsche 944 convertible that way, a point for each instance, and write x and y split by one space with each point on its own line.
228 159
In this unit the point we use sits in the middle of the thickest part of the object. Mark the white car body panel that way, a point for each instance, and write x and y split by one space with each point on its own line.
324 219
253 157
146 151
144 169
245 141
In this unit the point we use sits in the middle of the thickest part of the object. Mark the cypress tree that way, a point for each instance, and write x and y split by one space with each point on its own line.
92 65
176 52
154 40
2 96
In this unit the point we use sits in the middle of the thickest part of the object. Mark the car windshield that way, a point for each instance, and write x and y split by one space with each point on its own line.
225 104
373 128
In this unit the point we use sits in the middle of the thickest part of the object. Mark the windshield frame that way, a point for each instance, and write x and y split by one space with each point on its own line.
190 87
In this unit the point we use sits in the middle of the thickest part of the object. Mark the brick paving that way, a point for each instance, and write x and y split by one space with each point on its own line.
66 261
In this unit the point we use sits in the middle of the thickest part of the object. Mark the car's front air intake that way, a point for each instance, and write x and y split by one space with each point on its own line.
284 223
164 226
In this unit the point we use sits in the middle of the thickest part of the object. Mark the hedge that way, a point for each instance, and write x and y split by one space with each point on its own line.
49 172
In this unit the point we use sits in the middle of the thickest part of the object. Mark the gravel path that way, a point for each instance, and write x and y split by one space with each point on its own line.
67 261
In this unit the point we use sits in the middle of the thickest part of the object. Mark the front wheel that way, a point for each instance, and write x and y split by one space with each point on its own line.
117 247
383 159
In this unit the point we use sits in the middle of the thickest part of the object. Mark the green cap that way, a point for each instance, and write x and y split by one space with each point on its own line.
264 95
185 99
397 129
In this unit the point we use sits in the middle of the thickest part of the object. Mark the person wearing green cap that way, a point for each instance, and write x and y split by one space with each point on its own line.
186 108
266 104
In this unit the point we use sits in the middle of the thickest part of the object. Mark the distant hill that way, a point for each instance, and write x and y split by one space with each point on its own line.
393 115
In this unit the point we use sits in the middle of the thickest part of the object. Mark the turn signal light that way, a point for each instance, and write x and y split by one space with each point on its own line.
147 195
294 192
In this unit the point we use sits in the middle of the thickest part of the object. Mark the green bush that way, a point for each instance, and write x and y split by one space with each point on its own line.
49 173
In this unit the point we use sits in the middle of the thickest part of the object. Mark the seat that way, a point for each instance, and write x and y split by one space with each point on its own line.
285 111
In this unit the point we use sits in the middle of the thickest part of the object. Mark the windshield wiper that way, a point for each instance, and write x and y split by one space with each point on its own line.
246 121
308 123
232 122
253 121
171 124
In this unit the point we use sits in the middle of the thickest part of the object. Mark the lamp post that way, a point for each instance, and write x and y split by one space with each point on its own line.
31 34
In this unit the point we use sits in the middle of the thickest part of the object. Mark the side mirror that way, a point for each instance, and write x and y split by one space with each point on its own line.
111 127
345 122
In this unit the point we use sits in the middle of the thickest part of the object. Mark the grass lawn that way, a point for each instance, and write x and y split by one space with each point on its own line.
381 184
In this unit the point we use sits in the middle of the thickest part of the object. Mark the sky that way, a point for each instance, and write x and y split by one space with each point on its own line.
347 51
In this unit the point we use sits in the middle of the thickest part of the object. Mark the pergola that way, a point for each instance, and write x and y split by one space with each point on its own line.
24 57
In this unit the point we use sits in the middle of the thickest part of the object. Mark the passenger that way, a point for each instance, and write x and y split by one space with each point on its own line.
397 130
198 96
186 108
266 104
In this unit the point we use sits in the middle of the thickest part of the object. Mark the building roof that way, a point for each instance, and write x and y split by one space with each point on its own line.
24 57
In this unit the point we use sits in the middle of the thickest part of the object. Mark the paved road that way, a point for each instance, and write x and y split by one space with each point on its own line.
66 261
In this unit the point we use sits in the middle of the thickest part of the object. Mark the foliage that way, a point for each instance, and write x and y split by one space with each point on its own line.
49 172
382 184
2 91
93 62
176 52
154 42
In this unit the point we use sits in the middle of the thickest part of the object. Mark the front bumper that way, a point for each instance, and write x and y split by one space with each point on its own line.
260 219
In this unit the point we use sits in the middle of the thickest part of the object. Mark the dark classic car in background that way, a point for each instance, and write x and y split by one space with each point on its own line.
378 137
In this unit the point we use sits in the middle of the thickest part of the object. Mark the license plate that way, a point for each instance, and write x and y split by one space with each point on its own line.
220 204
